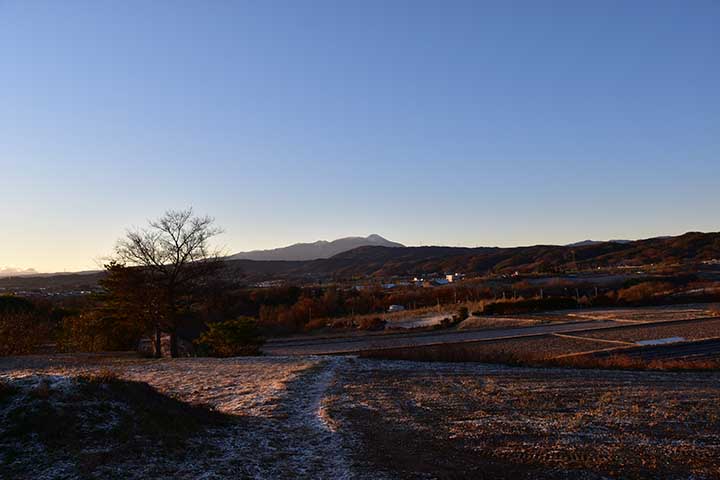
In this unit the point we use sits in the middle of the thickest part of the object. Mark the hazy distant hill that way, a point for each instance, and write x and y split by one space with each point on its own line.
16 272
313 251
596 242
59 281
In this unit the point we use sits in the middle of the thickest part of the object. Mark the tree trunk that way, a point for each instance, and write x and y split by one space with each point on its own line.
172 321
173 344
158 341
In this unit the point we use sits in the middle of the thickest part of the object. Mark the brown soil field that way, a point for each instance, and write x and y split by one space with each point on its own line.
520 350
690 330
474 421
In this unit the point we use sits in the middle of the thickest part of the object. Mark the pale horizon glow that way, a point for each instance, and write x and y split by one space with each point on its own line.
457 123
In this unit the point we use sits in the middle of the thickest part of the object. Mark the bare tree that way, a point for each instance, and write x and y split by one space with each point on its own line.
174 254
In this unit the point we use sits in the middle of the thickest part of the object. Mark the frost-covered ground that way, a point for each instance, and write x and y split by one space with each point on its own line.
282 433
342 417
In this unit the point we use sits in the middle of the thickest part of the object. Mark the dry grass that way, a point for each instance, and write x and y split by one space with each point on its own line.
497 322
103 376
626 362
315 324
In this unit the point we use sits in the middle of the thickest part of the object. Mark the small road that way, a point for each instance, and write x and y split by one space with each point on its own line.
329 346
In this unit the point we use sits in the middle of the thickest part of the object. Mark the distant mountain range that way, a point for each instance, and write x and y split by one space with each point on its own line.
383 262
315 250
374 258
16 272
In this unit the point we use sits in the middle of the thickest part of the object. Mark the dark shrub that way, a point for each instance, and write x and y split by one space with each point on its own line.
12 304
6 390
232 338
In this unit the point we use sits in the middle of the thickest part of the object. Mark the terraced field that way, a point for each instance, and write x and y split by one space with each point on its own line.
598 343
700 350
690 330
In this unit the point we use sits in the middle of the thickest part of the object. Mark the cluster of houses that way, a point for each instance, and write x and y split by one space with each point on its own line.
436 281
423 281
44 292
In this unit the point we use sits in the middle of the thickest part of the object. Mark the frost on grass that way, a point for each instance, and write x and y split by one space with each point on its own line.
486 421
67 427
261 418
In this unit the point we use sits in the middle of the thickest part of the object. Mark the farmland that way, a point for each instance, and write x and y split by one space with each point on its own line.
418 404
344 417
590 327
692 345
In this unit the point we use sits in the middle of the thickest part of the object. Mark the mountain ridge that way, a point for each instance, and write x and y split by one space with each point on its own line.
316 250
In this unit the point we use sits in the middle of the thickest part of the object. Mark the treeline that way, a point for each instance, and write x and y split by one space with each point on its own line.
118 319
168 288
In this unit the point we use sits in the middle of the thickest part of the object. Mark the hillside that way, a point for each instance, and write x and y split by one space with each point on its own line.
386 262
60 281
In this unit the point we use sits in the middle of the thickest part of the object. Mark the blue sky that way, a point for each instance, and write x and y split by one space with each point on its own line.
444 122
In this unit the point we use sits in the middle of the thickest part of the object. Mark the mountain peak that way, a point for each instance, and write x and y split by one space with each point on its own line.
315 250
374 237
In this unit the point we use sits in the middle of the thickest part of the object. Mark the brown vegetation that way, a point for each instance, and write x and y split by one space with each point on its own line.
626 362
20 333
644 292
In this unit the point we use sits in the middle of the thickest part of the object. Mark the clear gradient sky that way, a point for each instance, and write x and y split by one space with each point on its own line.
443 122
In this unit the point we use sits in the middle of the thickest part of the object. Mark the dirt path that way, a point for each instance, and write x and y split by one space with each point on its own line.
311 443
